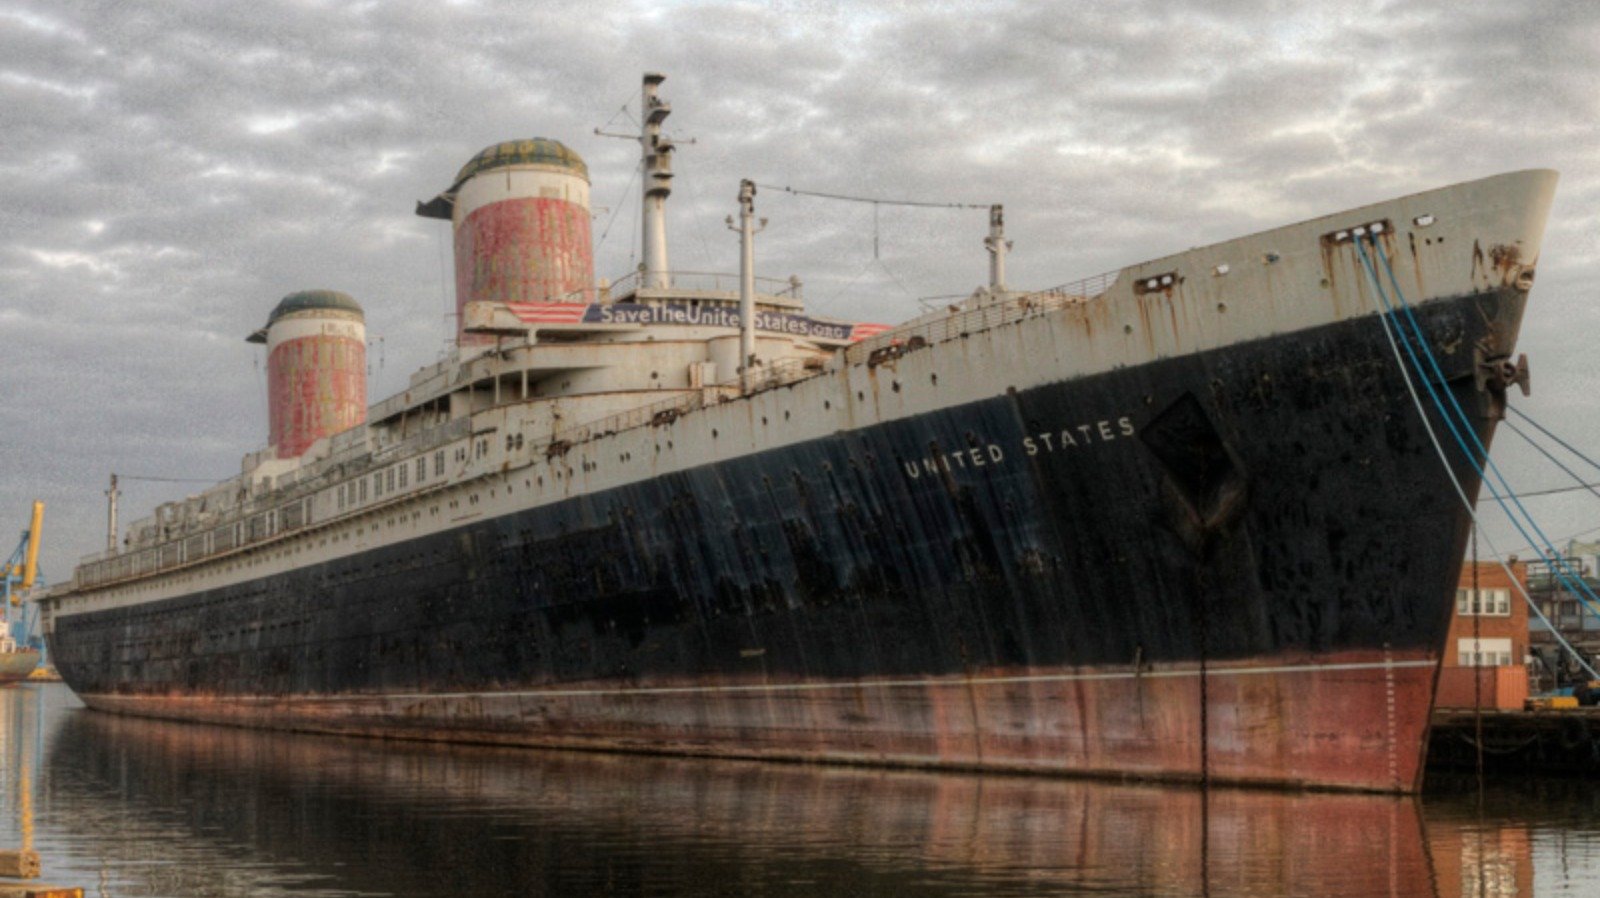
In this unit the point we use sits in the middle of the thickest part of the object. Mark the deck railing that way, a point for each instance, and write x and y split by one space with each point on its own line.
984 317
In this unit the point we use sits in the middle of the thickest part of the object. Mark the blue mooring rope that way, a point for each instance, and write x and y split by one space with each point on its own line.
1563 573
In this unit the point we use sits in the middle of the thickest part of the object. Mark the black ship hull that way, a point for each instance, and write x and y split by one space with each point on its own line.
1236 564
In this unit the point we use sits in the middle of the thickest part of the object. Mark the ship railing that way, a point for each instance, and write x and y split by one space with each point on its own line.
779 373
982 317
661 412
428 439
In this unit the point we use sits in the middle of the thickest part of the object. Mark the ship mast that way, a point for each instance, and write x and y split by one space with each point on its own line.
111 516
747 279
997 244
657 161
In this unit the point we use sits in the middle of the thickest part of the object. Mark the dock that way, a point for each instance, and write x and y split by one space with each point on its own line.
1563 742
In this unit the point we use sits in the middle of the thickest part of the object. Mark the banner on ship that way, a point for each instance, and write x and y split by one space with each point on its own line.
682 314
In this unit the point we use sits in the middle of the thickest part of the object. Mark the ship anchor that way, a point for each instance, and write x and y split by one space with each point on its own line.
1494 374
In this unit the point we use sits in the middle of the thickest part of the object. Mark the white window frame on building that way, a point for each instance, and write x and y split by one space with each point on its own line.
1491 603
1485 652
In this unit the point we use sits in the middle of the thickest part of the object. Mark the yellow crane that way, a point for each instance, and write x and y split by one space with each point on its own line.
23 568
19 646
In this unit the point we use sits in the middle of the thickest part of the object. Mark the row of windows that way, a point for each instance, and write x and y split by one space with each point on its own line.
1483 652
1487 603
394 479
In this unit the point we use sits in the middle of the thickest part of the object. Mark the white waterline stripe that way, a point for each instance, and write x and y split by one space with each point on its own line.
814 687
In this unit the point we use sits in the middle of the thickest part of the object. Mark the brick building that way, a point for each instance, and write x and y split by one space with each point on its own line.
1488 642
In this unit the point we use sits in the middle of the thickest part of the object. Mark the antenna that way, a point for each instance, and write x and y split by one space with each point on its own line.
998 245
655 151
747 278
111 516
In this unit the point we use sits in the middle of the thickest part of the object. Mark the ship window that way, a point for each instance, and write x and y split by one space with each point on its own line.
438 463
363 489
377 484
403 472
422 469
391 479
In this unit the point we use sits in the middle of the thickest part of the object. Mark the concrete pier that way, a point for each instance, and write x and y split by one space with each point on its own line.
1564 742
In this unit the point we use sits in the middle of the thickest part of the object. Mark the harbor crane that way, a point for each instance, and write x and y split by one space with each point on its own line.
21 648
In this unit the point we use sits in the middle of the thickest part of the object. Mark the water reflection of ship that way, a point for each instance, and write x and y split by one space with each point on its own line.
499 821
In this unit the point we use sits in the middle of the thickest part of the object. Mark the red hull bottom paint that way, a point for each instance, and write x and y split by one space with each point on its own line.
1352 721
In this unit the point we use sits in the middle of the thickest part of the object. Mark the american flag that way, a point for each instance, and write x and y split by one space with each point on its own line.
863 330
549 312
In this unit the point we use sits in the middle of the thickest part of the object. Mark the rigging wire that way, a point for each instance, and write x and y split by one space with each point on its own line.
1557 462
896 277
700 222
876 201
122 477
1563 443
617 208
1557 490
623 109
1588 531
1389 329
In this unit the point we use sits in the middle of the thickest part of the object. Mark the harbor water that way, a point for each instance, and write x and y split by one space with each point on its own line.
128 807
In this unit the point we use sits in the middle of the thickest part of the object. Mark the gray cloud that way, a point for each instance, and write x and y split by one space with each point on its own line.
168 171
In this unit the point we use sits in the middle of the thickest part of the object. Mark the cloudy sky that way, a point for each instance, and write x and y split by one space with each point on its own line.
169 170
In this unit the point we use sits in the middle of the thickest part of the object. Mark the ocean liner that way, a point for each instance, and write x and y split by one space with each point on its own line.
1180 521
